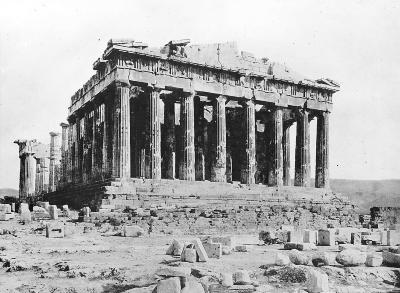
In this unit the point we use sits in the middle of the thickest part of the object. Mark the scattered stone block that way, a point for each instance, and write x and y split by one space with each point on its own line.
226 250
226 279
224 240
174 272
281 259
24 207
393 237
53 212
132 231
351 257
175 248
189 255
391 259
44 204
65 208
299 258
242 248
213 250
290 245
306 246
394 249
384 237
324 258
374 260
13 207
295 235
6 216
317 282
26 216
193 286
326 237
356 238
310 236
54 230
241 277
171 285
202 250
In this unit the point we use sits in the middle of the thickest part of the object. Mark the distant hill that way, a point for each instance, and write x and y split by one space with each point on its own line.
8 192
369 193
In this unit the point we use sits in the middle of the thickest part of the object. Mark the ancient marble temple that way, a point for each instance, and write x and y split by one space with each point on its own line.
192 113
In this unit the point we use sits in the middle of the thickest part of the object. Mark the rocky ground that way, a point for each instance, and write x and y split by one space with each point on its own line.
94 258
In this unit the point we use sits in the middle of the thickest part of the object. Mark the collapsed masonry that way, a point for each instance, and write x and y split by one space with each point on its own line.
191 122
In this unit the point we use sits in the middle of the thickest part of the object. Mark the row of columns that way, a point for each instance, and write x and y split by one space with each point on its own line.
192 164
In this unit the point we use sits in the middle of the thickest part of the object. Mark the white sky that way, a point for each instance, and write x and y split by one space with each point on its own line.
47 49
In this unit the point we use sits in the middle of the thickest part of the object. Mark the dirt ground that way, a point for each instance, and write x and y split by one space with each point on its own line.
90 260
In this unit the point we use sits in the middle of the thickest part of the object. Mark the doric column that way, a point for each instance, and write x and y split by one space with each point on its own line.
30 174
95 138
322 151
70 152
218 169
302 165
121 138
44 175
170 143
78 151
187 164
286 154
87 158
64 153
54 160
199 140
106 138
275 177
37 180
249 168
155 134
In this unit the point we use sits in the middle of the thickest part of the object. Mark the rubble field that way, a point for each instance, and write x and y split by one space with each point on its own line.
52 250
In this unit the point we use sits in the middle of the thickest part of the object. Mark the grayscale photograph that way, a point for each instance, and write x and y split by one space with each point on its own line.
208 146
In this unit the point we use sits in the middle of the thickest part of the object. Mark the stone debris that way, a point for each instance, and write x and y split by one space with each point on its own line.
53 211
201 250
242 248
132 231
374 260
174 272
213 250
55 230
171 285
175 248
281 259
226 279
241 277
299 258
189 254
192 286
324 258
351 257
391 259
317 282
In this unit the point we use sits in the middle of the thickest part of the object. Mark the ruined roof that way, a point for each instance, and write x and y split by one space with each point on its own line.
221 55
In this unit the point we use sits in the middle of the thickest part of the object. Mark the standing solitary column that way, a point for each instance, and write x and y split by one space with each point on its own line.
286 154
54 160
64 153
121 138
322 151
302 165
276 173
218 169
249 168
187 165
30 173
155 134
170 144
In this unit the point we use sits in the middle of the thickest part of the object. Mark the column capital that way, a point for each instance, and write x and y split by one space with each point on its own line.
221 99
64 125
122 83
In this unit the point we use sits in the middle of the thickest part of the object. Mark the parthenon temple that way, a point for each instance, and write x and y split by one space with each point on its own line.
179 116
